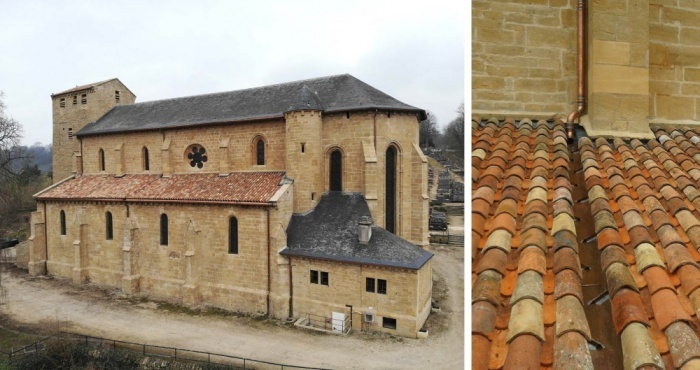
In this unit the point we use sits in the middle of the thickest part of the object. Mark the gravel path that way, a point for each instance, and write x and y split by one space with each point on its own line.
53 304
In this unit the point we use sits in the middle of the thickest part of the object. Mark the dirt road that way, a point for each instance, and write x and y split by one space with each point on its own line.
53 304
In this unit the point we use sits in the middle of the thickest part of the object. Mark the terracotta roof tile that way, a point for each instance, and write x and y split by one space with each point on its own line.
627 308
524 352
690 278
684 345
526 318
612 254
638 348
676 256
494 259
529 286
483 318
608 237
647 256
533 237
571 352
532 259
567 258
481 347
565 239
667 308
238 187
567 282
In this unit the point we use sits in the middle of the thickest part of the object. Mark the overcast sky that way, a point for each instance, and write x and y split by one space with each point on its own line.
166 49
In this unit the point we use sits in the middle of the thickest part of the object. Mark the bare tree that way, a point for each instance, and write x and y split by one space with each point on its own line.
454 132
12 156
429 132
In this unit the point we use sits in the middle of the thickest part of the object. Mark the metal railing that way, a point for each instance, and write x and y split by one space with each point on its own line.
328 323
148 350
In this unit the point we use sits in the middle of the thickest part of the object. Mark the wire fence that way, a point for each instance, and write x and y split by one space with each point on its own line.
151 351
328 323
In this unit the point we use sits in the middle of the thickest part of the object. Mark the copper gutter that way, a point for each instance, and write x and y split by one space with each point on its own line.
581 67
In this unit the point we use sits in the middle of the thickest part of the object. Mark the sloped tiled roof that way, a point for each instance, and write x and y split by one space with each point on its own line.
331 232
237 187
645 200
82 87
331 94
527 300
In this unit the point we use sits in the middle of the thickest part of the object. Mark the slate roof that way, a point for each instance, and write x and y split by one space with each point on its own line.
333 94
237 187
527 299
645 201
331 232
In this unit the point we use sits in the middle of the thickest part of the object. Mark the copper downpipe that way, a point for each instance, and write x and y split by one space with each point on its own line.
581 67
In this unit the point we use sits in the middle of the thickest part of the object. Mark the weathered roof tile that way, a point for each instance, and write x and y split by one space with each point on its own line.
638 348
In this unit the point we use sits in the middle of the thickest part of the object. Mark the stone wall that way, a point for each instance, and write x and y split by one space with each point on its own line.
674 60
347 287
195 267
523 57
68 120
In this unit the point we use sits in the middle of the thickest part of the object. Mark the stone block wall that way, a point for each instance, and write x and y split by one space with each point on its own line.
71 118
523 57
195 267
347 287
237 155
674 60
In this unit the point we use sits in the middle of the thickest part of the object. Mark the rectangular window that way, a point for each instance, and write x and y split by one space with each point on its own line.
83 99
381 286
314 277
389 323
232 235
116 96
70 132
369 285
63 102
324 278
75 99
303 147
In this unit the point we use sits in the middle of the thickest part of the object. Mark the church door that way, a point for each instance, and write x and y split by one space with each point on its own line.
336 171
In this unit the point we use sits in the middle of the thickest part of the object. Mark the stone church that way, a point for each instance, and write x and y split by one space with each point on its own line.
301 199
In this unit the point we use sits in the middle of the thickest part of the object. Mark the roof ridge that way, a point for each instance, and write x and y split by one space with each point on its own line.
84 86
237 90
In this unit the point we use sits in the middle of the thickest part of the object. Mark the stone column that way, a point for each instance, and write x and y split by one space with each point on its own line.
130 252
190 294
369 174
618 69
224 154
80 251
165 150
37 246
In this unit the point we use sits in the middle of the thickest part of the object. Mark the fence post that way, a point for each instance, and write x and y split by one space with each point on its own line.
144 349
175 354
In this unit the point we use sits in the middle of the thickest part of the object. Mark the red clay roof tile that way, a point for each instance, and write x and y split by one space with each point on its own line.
608 237
529 286
683 344
494 259
567 258
483 318
536 206
534 220
571 352
657 279
668 235
524 352
238 187
612 254
604 220
639 235
667 308
487 287
618 276
481 348
547 351
549 311
677 255
532 259
564 239
481 207
509 206
533 237
627 308
690 278
567 282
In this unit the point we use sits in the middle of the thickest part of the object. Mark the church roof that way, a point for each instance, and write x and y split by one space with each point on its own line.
331 94
236 188
326 233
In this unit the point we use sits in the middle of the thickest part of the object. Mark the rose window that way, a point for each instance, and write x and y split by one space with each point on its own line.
197 156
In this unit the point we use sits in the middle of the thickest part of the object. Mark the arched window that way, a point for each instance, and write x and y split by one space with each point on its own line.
102 159
336 171
232 235
390 182
260 152
109 231
146 164
163 229
63 222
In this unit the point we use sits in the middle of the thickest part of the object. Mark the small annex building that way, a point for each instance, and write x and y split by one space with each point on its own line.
301 199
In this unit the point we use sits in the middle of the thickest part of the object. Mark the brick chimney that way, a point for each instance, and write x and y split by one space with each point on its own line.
365 230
